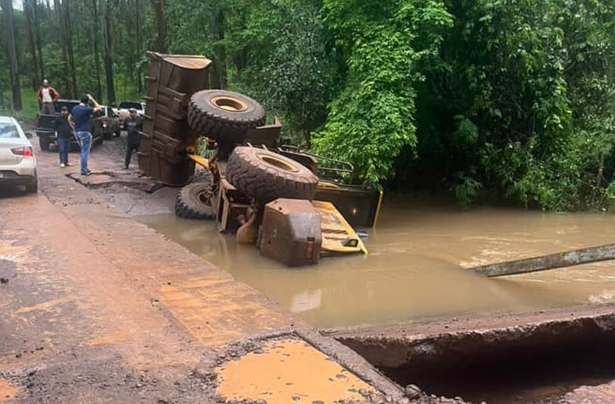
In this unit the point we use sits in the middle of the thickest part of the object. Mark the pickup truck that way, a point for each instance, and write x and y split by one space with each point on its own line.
46 132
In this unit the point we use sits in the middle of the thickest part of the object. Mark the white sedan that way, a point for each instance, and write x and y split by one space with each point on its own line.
17 161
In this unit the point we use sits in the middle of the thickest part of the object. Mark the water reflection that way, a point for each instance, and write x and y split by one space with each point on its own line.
415 266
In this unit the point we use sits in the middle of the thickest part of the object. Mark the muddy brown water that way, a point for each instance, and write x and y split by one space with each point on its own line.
415 268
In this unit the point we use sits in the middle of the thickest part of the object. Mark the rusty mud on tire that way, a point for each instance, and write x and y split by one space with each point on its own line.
224 115
267 176
193 202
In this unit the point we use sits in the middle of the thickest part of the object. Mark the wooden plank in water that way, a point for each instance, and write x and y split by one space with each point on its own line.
547 262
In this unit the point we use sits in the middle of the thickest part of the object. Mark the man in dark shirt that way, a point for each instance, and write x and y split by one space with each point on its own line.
83 130
134 126
63 130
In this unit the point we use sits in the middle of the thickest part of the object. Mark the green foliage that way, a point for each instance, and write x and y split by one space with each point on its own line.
385 45
513 99
524 105
30 108
466 191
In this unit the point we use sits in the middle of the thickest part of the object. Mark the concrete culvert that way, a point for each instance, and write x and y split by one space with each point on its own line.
533 358
223 115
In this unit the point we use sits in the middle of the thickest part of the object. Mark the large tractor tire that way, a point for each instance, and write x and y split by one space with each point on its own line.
194 202
267 176
223 115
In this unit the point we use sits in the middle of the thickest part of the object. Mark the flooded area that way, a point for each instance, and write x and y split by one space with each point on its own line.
415 268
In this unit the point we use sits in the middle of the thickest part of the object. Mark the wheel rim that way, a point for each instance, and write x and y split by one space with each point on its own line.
277 162
204 197
229 104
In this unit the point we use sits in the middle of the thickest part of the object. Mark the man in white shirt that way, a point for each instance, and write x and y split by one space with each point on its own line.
47 97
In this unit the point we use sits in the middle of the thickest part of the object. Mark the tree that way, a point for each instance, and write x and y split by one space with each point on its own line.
96 53
139 45
385 43
69 50
161 25
108 47
7 11
29 11
35 7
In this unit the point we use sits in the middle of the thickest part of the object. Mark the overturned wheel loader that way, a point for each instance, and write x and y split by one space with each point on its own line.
253 183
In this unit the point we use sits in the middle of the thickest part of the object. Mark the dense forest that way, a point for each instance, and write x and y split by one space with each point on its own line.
502 101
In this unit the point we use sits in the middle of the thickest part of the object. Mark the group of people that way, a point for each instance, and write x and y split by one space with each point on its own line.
78 121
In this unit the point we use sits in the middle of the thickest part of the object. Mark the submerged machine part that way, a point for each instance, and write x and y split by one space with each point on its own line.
338 236
298 232
291 232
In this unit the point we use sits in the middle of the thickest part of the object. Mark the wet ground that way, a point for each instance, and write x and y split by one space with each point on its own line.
415 268
103 309
95 307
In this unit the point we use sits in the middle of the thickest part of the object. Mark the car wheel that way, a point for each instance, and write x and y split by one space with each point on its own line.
44 143
33 187
267 176
223 115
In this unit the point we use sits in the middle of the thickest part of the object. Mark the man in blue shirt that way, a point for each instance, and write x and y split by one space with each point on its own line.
80 118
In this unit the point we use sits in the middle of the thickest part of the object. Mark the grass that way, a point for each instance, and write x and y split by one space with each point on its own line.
27 115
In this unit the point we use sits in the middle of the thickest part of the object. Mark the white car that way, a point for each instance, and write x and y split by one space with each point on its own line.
123 110
17 160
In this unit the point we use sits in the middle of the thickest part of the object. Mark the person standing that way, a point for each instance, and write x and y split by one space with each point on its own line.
47 97
134 126
64 129
80 119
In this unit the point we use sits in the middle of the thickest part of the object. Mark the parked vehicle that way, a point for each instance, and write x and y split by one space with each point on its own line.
46 132
106 124
123 110
17 160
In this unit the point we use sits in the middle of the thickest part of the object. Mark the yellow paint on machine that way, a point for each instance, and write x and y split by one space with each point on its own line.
203 162
335 230
289 371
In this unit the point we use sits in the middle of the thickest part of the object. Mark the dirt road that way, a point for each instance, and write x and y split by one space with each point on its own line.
96 308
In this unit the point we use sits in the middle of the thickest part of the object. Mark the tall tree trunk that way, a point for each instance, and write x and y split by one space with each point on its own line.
7 7
161 26
95 32
39 46
218 76
139 47
108 56
29 11
61 29
72 89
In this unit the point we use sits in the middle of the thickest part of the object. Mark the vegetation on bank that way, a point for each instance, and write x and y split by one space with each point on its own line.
499 100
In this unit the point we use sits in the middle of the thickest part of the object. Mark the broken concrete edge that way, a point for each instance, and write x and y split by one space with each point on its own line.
458 339
140 182
345 357
485 321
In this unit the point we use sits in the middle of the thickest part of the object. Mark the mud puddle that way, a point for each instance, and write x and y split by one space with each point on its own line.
415 266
